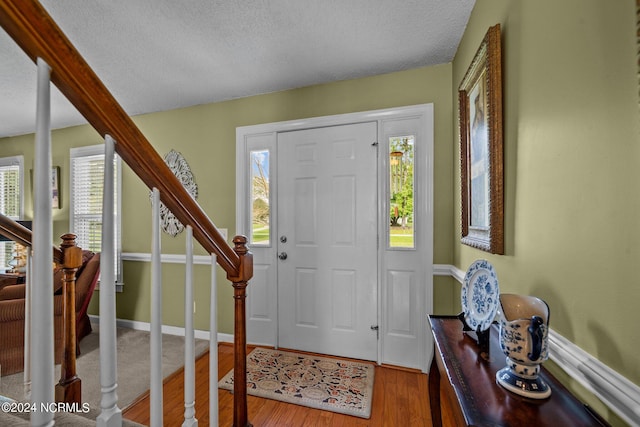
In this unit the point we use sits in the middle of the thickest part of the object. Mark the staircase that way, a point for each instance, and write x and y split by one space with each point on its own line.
62 418
58 62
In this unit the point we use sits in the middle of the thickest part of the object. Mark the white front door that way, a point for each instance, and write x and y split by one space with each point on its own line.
327 240
319 305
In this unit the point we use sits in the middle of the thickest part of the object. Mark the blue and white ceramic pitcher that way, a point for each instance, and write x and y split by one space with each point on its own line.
524 330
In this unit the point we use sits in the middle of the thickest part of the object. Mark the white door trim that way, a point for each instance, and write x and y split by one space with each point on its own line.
420 281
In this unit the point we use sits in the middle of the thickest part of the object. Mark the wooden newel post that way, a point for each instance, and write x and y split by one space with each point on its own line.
245 272
69 388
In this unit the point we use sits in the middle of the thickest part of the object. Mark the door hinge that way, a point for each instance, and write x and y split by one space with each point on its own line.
375 328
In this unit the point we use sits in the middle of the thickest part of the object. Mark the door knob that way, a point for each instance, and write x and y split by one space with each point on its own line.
282 255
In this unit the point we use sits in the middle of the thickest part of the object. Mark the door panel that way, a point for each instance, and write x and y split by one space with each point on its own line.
327 203
401 299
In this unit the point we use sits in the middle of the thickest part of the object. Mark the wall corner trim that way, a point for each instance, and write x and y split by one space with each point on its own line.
448 270
617 392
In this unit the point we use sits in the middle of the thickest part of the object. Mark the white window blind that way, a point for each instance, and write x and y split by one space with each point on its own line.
11 179
87 182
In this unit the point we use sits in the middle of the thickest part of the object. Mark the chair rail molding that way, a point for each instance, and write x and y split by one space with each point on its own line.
166 258
617 392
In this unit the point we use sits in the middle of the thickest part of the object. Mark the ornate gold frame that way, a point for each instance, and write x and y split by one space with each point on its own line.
481 150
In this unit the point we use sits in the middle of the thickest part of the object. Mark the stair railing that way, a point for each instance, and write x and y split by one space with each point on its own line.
69 257
31 27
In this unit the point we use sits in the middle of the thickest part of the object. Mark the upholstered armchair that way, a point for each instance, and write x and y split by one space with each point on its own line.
12 313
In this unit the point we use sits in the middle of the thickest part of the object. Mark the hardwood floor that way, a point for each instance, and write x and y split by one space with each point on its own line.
400 398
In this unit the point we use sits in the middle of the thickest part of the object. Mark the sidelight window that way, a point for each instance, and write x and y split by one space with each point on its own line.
260 209
401 192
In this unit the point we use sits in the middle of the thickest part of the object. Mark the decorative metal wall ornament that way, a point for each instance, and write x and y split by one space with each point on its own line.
180 168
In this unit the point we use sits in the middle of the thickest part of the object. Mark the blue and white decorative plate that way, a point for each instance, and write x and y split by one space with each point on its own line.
480 295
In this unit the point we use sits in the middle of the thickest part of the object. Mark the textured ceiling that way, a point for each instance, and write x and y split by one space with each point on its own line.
157 55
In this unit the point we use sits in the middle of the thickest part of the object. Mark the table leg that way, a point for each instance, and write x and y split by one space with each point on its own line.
434 393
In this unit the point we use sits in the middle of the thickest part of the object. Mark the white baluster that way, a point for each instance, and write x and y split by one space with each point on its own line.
42 361
156 315
189 338
213 347
27 328
110 414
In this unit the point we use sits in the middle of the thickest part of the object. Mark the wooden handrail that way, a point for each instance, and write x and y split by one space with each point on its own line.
31 27
22 235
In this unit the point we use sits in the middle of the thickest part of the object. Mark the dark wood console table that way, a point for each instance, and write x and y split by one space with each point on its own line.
476 398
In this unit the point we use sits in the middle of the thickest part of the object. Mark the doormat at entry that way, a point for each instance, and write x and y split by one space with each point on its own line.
336 385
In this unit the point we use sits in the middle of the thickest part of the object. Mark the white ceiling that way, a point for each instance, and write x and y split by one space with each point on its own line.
157 55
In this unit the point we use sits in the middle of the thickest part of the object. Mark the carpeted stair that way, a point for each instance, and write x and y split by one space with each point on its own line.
62 419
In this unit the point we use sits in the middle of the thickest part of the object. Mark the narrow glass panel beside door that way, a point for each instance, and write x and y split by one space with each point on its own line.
401 214
260 212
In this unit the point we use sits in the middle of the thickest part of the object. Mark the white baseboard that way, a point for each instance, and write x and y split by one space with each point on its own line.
166 329
617 392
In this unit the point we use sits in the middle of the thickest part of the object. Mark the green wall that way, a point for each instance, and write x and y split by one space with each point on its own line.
205 135
572 167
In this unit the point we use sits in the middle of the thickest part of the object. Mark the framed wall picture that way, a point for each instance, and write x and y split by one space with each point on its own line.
55 188
481 150
56 203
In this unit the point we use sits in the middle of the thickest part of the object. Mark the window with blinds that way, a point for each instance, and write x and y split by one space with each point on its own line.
85 212
11 180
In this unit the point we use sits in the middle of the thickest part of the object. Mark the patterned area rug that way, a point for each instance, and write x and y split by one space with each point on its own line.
318 382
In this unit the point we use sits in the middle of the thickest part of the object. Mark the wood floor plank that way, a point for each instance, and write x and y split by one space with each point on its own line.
418 388
400 398
390 403
403 410
379 394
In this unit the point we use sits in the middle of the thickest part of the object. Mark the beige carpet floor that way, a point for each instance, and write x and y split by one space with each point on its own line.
133 367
